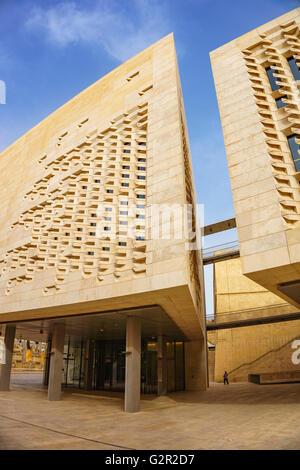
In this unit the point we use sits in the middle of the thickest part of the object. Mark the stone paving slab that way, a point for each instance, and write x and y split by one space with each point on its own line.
241 416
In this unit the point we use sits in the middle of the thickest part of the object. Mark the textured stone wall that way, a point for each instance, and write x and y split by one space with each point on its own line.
264 178
252 349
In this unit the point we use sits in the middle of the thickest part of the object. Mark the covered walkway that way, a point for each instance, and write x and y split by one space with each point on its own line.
137 350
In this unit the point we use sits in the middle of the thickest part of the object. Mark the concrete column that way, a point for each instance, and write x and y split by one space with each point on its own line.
9 340
161 366
88 366
195 353
56 362
133 365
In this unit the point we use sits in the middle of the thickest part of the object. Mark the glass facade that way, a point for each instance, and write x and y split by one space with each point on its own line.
73 371
272 79
294 68
108 365
175 366
294 148
280 103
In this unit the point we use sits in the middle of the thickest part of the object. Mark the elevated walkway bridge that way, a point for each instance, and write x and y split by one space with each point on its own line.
248 317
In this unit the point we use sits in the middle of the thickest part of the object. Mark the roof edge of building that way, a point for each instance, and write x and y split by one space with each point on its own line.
289 15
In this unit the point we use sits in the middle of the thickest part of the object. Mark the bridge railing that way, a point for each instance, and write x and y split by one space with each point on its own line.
211 250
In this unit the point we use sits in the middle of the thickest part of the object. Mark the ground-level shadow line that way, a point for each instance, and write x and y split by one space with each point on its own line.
65 433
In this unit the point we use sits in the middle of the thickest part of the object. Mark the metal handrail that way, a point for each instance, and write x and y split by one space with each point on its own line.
224 246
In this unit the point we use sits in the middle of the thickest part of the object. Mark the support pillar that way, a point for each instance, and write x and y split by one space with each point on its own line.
161 366
56 362
133 365
9 340
195 353
88 366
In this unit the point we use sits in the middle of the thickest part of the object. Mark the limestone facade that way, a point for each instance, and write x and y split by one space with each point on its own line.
258 349
67 190
257 84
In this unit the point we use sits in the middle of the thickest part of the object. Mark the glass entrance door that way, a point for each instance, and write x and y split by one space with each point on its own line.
73 371
175 366
149 367
109 366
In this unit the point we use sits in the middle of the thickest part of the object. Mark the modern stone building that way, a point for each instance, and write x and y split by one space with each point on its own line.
83 264
257 83
258 349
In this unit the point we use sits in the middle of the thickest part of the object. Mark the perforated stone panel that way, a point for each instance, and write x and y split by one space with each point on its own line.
77 214
77 192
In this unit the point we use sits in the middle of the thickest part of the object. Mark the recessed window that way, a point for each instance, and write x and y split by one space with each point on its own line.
110 191
294 67
106 248
124 203
84 187
79 229
126 151
123 212
126 185
140 177
280 103
122 244
294 147
140 216
78 238
97 181
92 234
125 176
142 160
123 222
141 196
93 224
272 79
140 238
140 206
142 168
132 76
94 215
125 167
83 122
107 229
107 218
91 253
108 209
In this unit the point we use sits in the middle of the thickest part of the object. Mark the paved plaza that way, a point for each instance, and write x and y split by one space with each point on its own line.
238 416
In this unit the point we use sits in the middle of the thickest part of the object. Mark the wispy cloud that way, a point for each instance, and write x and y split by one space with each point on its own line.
108 25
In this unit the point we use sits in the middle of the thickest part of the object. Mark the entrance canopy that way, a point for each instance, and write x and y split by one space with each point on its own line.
110 325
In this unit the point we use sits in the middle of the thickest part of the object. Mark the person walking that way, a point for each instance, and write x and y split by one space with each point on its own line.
225 376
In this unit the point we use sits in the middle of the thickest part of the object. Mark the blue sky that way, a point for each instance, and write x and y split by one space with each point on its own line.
50 50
